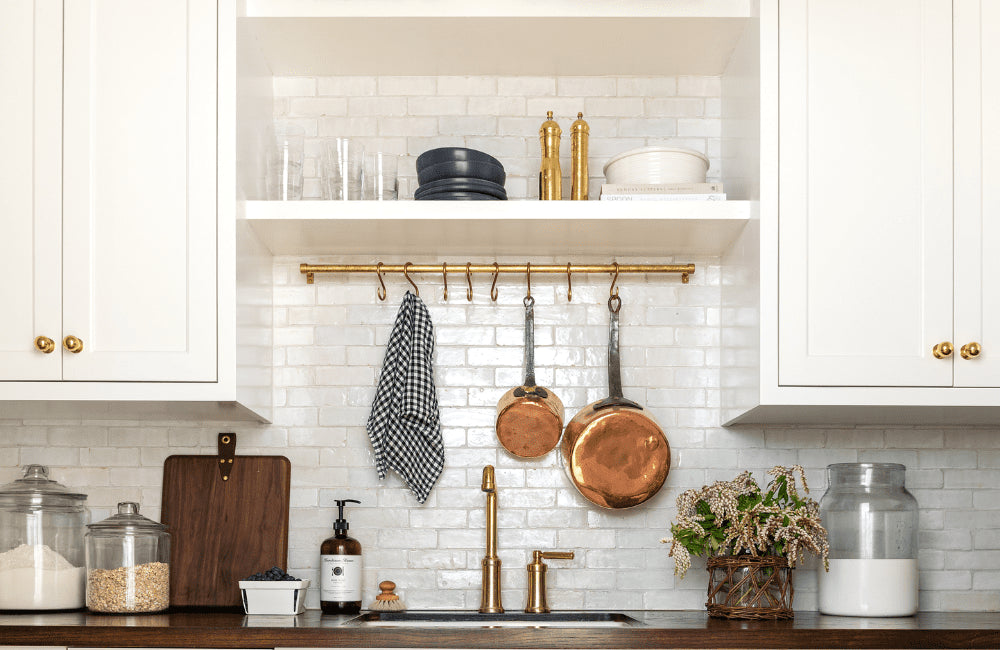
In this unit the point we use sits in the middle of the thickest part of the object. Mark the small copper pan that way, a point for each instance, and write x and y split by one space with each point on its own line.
615 454
529 417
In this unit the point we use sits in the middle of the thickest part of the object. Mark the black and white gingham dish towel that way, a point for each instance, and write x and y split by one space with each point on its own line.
405 426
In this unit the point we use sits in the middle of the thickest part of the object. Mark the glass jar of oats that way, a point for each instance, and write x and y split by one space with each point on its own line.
128 563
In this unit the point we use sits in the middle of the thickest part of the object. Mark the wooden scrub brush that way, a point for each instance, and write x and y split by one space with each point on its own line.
387 601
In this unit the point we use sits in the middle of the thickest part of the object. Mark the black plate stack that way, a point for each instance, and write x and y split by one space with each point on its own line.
459 174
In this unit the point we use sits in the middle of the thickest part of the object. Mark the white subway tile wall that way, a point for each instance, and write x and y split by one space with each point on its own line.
501 115
330 342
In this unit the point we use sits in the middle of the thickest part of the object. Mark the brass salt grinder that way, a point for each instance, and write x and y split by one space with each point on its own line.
579 140
550 175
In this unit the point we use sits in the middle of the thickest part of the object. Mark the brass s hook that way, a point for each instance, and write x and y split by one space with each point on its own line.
406 274
614 283
529 281
380 292
468 278
569 283
444 274
493 288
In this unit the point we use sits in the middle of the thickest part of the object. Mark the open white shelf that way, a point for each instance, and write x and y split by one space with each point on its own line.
497 37
646 228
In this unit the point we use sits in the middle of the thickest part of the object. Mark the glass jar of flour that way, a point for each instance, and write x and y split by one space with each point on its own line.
42 524
871 521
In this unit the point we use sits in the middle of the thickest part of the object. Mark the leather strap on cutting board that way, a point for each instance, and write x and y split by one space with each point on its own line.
228 519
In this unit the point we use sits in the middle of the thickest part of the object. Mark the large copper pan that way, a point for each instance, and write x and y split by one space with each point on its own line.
529 417
615 453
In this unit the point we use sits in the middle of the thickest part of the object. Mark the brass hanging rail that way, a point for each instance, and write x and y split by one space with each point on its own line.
448 267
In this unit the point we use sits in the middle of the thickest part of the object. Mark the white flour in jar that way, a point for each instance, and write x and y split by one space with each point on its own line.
36 577
869 588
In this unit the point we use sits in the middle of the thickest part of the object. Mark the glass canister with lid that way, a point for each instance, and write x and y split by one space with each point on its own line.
42 525
871 521
128 563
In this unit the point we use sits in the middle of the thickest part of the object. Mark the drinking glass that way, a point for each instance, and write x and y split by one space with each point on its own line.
380 177
343 169
284 163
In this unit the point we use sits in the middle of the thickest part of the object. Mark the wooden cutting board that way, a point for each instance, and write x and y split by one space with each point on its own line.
228 519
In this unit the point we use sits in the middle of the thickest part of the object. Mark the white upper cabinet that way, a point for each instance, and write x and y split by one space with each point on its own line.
117 235
878 237
139 215
30 187
864 192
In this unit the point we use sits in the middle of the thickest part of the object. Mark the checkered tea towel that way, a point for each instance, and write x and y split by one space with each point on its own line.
405 426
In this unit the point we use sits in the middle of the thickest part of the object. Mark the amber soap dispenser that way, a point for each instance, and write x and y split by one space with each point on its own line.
341 567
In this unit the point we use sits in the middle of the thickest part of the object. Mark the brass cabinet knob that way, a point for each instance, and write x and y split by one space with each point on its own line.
44 344
942 350
971 350
73 344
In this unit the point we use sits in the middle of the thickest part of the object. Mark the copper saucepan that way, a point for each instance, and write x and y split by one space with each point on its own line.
529 417
615 454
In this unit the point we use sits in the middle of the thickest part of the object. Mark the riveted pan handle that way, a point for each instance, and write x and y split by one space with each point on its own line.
617 397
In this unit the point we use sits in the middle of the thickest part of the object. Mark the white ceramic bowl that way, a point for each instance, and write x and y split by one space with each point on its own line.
657 165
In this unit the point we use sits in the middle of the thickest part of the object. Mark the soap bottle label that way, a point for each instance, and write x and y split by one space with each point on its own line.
340 578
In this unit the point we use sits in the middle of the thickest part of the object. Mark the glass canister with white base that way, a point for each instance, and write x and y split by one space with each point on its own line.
871 521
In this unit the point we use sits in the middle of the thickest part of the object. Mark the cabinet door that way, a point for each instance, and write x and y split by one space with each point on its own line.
865 192
139 215
977 190
30 186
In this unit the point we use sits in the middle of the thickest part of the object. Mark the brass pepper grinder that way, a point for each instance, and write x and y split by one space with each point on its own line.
579 138
550 176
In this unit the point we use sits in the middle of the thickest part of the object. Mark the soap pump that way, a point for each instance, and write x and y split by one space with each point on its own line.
341 567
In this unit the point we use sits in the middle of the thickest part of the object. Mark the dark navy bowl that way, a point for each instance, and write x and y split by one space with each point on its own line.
458 196
486 171
461 185
447 154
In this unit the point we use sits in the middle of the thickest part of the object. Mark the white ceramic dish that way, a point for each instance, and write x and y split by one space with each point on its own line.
657 165
278 598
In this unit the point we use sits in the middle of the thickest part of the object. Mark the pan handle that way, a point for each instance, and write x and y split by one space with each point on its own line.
529 341
614 355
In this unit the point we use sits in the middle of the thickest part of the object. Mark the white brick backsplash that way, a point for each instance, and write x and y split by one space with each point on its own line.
467 86
586 86
294 86
407 85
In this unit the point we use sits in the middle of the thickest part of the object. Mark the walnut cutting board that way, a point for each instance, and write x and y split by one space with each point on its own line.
223 530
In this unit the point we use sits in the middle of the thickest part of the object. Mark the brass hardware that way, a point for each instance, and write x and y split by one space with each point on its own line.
942 350
614 283
496 269
468 278
44 344
444 274
73 344
406 273
380 292
569 283
684 278
490 603
227 451
310 277
528 273
537 602
579 137
971 350
550 174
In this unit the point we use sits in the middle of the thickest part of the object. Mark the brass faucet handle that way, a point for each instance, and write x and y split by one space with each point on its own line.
537 602
538 556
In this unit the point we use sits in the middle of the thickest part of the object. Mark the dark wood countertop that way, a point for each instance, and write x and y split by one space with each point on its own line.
660 629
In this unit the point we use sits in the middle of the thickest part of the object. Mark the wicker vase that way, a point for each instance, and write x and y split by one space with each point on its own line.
748 587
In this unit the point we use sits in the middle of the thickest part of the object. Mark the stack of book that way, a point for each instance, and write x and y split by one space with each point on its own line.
662 192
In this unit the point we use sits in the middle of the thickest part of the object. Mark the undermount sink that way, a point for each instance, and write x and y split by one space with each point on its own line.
475 619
